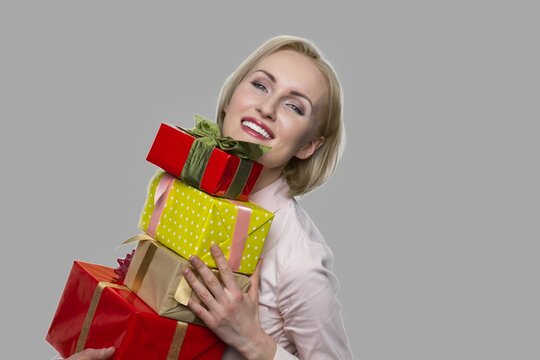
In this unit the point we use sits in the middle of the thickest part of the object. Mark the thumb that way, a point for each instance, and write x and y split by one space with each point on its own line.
104 354
96 354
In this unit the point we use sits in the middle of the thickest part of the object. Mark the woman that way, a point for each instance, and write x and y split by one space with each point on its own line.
284 95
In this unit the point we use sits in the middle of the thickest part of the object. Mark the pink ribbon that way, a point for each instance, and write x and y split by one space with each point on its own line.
160 199
241 231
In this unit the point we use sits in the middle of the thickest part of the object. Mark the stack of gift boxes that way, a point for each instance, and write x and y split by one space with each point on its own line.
198 197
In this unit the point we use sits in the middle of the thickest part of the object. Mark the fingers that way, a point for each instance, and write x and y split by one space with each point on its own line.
204 295
104 354
94 354
225 270
210 289
200 311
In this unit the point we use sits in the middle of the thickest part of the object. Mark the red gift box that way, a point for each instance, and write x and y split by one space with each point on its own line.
97 312
221 176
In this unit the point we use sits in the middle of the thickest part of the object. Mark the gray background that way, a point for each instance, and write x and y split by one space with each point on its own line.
433 211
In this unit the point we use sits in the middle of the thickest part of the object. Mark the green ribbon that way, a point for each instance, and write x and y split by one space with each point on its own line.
240 179
207 137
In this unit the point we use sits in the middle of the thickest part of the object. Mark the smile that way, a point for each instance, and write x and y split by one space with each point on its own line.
258 129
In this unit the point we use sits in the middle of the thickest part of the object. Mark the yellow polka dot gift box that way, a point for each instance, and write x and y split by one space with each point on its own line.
189 221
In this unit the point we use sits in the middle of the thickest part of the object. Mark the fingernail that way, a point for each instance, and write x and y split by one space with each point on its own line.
214 249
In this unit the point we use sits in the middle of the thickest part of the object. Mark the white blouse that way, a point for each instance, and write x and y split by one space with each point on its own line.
298 305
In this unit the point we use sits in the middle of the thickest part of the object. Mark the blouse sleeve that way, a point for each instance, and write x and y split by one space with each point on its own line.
309 306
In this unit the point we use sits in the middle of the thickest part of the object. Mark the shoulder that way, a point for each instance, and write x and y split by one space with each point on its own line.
303 234
302 250
295 247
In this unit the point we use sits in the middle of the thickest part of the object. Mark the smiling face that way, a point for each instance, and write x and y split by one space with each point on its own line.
278 103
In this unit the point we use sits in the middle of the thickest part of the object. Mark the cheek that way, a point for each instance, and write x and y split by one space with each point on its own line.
227 126
241 99
297 133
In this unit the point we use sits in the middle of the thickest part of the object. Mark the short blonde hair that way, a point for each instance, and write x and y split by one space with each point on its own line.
302 175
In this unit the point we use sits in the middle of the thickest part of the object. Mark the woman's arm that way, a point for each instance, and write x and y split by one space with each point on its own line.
308 304
229 313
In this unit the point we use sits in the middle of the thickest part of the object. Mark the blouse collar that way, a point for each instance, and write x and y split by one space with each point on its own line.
272 197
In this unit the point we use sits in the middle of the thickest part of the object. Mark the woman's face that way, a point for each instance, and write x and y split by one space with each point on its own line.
278 103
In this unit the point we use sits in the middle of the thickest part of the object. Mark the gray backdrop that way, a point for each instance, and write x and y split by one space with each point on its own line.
433 211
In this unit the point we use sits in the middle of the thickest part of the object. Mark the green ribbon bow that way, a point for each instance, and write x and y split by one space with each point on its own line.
208 132
207 137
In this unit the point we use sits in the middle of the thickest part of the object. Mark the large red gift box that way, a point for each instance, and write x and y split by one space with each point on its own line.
97 312
225 175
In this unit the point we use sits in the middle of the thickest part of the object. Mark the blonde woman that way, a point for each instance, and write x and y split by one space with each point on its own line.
287 96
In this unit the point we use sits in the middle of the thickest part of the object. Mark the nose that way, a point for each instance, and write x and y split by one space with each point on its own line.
267 107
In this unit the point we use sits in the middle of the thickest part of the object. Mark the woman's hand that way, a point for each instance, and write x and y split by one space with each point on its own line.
93 354
229 313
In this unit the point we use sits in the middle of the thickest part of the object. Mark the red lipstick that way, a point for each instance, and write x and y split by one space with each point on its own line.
255 133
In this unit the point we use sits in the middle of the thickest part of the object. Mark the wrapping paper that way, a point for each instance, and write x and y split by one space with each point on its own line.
203 164
189 221
97 312
155 275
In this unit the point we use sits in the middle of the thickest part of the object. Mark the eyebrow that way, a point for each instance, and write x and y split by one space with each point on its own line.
295 93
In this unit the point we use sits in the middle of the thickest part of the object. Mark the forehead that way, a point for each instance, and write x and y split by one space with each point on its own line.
295 71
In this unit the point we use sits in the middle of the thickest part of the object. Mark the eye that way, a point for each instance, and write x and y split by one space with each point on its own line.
259 86
296 109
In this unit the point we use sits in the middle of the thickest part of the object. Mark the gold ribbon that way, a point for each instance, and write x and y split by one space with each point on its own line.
143 267
177 340
92 310
138 237
145 263
183 292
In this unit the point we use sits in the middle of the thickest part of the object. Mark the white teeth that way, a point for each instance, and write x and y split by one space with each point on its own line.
257 128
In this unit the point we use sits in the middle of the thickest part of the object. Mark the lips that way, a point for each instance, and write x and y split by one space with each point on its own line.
256 128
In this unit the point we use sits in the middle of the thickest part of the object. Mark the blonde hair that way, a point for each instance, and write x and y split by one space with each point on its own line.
301 175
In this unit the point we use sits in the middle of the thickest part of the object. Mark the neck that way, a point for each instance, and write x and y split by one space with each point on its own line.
267 177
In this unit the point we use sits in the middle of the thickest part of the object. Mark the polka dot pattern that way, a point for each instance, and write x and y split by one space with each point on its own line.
192 221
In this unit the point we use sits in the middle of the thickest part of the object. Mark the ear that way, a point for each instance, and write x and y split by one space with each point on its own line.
309 149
